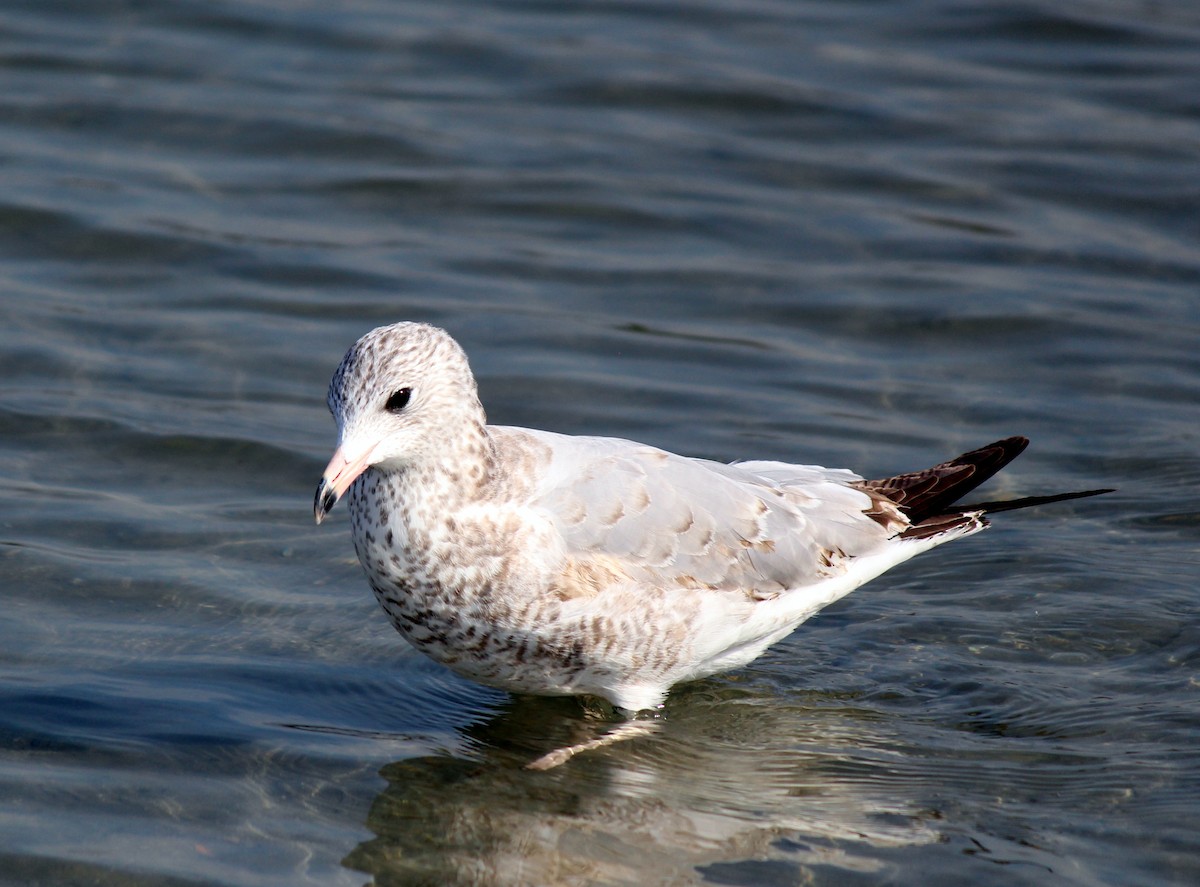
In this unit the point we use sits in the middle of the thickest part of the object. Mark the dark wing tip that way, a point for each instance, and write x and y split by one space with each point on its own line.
923 494
1030 501
925 497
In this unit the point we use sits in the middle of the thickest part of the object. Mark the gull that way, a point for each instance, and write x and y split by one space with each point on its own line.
550 564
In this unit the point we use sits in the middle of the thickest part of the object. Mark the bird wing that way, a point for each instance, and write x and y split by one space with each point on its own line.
758 527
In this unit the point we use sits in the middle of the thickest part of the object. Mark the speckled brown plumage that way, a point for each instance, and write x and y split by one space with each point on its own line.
550 564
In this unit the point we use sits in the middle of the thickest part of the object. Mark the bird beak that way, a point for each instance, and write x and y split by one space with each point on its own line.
339 474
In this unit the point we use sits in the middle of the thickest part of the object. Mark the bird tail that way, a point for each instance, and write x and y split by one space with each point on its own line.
928 498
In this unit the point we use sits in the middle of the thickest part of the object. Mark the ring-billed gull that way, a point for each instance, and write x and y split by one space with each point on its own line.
549 564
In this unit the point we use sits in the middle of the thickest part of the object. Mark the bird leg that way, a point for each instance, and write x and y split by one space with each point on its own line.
627 730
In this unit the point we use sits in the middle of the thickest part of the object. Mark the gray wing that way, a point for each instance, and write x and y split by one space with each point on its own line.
759 527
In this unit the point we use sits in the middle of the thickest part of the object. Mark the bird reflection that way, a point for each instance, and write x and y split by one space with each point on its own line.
722 781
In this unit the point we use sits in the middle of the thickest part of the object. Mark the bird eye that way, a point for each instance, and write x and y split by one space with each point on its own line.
398 401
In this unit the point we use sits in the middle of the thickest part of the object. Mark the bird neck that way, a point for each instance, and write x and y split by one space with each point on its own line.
454 473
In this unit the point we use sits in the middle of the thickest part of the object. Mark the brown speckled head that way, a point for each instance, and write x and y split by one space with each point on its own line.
415 355
400 393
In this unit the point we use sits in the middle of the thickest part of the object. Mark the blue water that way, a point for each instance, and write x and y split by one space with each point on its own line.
865 234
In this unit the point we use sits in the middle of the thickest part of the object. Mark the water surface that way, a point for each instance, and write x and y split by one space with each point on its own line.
867 234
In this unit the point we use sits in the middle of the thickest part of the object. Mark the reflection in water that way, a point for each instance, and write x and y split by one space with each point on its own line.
789 229
721 780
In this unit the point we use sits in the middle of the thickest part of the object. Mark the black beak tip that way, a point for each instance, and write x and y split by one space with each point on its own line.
323 503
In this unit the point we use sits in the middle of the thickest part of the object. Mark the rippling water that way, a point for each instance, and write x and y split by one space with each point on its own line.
868 234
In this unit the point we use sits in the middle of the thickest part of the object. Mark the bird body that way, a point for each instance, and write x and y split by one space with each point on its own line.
550 564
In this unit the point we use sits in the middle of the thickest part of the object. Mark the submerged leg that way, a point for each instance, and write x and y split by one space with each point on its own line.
627 730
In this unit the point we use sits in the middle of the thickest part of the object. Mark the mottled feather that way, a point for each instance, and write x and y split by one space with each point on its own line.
545 563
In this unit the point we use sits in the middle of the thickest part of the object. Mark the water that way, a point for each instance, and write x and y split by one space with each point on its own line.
864 234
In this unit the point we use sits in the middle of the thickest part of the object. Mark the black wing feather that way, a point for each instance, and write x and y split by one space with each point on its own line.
927 498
